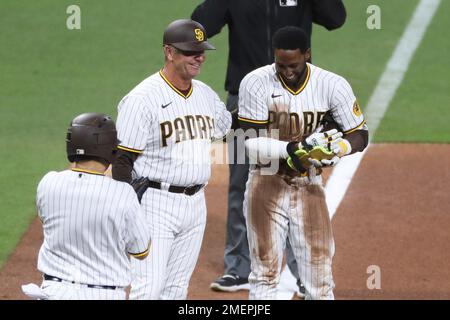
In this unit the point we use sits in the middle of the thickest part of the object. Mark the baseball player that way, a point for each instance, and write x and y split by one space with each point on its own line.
251 24
92 224
165 125
289 99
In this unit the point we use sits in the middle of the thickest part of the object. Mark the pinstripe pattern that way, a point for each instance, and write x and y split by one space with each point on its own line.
140 116
90 222
276 208
69 291
266 225
176 223
174 133
312 241
261 91
280 206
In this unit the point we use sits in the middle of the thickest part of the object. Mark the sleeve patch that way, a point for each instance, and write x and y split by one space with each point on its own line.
357 109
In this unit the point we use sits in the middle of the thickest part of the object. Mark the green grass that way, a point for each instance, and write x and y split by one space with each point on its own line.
420 111
49 74
357 53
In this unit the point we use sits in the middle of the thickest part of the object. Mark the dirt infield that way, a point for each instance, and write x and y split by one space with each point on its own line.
395 215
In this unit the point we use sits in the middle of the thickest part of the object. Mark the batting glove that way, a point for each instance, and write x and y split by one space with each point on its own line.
299 161
330 163
322 139
298 157
321 156
341 147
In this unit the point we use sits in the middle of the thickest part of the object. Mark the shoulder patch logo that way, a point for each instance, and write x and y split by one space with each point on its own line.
356 109
199 34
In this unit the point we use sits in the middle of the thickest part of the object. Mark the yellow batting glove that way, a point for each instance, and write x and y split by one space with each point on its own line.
341 147
299 160
322 157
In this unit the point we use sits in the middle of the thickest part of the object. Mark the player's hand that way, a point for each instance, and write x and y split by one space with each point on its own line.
330 163
321 157
324 157
324 162
322 139
140 185
341 147
298 161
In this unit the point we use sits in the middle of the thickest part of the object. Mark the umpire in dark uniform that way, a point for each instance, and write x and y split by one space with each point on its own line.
251 24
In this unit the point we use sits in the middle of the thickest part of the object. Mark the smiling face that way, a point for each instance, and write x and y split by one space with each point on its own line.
291 65
187 64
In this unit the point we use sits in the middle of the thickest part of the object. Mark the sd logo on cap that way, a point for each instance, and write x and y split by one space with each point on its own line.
186 35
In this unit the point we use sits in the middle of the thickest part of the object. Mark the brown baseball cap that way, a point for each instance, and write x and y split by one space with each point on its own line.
186 35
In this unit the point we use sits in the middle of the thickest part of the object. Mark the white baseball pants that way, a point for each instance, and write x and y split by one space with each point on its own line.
65 290
277 207
177 223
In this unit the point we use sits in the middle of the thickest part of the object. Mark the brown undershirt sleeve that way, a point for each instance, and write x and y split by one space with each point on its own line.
123 166
358 139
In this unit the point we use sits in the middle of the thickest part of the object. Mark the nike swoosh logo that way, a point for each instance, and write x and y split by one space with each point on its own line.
166 105
276 95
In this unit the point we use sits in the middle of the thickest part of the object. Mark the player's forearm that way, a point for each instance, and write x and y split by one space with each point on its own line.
350 143
358 140
266 148
123 166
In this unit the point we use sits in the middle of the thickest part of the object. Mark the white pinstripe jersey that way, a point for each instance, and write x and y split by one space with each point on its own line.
90 223
264 98
172 131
